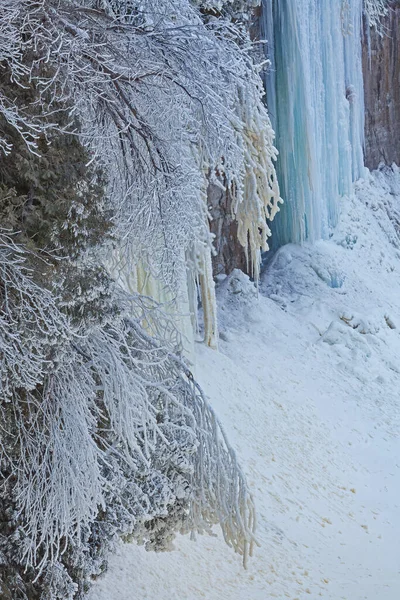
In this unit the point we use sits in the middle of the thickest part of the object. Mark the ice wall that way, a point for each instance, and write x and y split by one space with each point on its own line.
315 99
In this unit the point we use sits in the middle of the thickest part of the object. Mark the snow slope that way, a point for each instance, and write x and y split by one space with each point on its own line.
306 383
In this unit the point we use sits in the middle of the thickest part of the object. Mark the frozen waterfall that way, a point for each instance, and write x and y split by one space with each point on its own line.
316 103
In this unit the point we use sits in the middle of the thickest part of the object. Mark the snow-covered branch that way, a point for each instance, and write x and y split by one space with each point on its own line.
374 11
107 426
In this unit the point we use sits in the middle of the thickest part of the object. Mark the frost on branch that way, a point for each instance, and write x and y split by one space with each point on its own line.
375 11
158 90
108 435
30 323
112 116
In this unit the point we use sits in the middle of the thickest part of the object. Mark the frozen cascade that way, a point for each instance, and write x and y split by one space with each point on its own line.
316 104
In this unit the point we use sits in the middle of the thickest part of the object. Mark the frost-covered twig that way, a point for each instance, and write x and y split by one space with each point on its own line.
375 11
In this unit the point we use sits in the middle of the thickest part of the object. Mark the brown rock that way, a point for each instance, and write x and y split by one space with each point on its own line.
381 66
229 252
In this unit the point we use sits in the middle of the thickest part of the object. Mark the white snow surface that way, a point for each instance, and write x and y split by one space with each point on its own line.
306 383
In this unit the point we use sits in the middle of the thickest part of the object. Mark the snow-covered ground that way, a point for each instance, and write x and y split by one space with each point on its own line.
307 385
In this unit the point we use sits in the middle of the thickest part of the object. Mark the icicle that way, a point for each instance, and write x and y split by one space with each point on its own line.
260 198
209 302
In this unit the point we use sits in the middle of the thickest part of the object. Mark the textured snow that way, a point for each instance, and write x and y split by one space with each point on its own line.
306 383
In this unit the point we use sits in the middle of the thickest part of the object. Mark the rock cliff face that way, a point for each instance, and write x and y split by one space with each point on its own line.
381 65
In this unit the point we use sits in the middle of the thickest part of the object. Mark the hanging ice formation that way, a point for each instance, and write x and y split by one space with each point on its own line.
316 104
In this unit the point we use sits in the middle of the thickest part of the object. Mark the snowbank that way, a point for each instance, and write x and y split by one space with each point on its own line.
307 384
